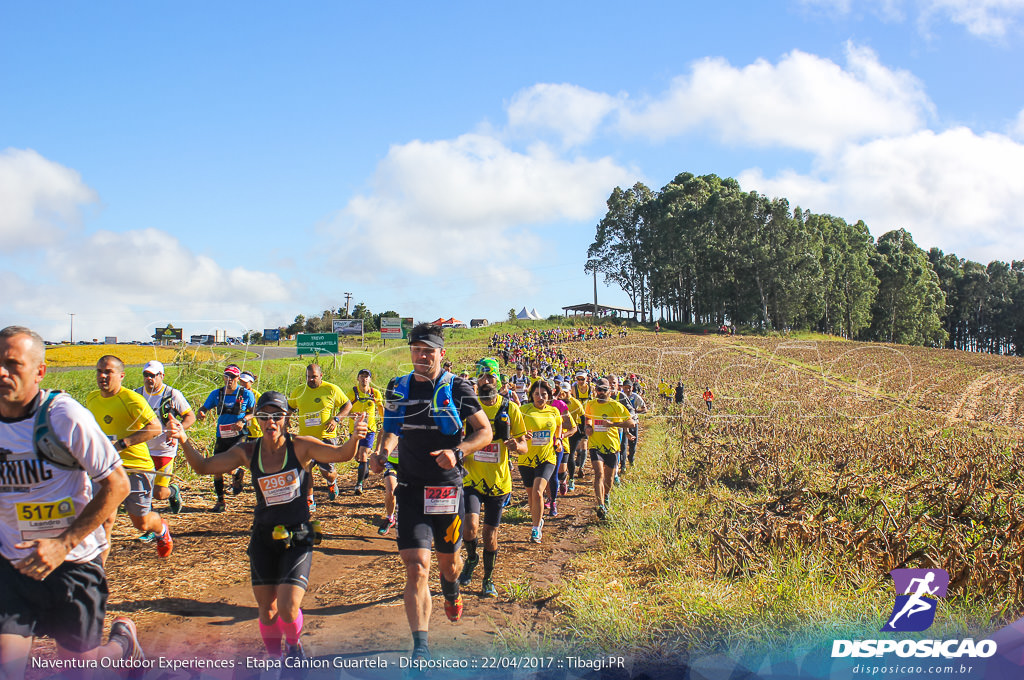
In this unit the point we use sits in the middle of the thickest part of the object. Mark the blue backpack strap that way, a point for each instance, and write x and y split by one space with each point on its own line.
443 409
394 405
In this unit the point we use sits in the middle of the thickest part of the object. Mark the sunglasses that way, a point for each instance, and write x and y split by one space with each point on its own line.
271 416
150 375
601 389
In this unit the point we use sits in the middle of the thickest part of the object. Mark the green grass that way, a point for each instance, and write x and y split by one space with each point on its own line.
653 587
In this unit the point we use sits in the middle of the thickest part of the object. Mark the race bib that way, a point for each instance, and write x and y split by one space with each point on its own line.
440 500
313 421
601 425
281 487
44 520
488 454
541 438
227 431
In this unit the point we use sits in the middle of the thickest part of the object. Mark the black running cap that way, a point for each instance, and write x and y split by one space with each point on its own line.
272 399
428 339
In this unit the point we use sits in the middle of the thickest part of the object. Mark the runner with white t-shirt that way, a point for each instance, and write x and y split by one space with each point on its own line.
51 521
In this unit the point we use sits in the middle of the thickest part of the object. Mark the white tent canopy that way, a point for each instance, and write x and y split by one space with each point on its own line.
534 314
529 315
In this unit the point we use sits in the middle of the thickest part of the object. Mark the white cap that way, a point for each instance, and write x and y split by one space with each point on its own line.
153 367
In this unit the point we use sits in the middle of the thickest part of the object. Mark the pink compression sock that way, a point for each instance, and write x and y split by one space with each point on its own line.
292 630
271 635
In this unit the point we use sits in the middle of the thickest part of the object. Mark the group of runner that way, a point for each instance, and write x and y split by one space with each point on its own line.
448 447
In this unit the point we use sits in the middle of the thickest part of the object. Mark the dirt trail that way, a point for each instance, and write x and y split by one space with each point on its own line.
198 603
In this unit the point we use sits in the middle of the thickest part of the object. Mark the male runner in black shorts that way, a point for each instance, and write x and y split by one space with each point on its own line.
429 408
51 519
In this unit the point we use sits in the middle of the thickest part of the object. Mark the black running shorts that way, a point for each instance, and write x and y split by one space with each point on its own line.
610 460
493 506
68 605
542 471
272 563
417 529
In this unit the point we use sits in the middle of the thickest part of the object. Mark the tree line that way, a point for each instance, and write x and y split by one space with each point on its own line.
701 251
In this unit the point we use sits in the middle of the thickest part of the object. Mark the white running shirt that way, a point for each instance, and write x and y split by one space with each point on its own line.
40 500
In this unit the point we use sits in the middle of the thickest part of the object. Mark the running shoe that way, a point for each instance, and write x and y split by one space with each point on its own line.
147 537
359 489
607 499
563 488
535 535
311 502
467 571
295 651
123 631
571 486
332 491
489 589
218 506
386 524
164 543
174 502
554 508
237 479
453 608
601 512
617 480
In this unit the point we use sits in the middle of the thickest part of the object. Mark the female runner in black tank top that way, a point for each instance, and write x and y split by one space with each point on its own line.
279 567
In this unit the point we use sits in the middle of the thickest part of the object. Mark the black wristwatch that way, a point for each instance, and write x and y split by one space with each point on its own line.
459 455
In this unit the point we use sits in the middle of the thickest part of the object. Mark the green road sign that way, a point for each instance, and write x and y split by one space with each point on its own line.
316 343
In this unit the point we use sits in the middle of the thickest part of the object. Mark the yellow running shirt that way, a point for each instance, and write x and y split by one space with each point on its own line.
120 416
487 470
372 404
576 411
316 407
545 426
253 430
605 438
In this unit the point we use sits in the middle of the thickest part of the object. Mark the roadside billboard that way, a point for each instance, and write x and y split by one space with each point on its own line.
395 328
348 326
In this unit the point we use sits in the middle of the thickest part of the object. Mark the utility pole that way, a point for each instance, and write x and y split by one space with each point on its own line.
348 299
595 293
72 328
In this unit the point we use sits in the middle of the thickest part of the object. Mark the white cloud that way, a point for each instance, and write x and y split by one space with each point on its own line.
125 284
437 205
803 102
38 199
571 111
982 18
956 190
148 265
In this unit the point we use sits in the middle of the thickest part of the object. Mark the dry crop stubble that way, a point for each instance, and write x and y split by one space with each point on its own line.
823 466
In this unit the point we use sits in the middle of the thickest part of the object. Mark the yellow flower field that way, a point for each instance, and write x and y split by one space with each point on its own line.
131 355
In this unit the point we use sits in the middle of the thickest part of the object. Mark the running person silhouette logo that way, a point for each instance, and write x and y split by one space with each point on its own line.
918 592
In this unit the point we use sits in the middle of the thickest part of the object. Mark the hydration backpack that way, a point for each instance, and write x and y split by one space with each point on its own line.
444 415
48 445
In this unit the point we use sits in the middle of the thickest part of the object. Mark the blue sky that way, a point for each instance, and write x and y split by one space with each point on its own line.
230 165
